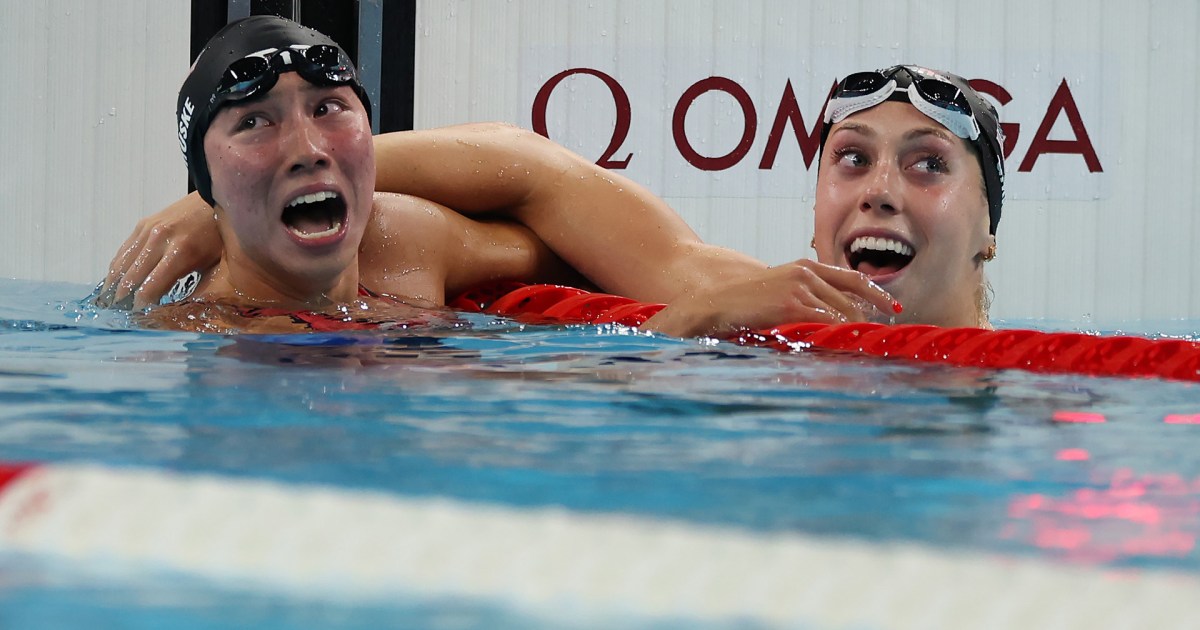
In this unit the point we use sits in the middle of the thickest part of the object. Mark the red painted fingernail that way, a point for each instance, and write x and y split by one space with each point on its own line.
897 307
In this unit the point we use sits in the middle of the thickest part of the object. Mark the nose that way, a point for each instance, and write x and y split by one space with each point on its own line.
881 193
307 146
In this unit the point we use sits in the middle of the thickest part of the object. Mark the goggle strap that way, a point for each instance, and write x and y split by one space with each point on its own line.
840 107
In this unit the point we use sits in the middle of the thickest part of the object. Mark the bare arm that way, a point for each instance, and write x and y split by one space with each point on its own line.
443 253
614 231
618 234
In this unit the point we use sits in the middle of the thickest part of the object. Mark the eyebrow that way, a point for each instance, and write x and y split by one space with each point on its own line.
869 131
929 131
865 130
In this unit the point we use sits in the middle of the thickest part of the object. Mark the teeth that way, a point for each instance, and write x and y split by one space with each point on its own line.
880 245
313 198
333 229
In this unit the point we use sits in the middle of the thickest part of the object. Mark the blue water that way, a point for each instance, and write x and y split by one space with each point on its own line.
593 419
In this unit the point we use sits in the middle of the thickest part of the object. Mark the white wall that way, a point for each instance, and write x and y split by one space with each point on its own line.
87 142
86 128
1115 244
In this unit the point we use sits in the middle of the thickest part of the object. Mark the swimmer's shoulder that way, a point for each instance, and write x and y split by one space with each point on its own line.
405 248
400 219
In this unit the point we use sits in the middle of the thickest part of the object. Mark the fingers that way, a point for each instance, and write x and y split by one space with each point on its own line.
148 255
178 239
156 283
175 262
124 259
821 300
853 283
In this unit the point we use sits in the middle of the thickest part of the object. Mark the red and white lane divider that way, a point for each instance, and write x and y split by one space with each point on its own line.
343 544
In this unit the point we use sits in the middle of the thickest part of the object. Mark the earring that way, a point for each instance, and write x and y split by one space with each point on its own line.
990 253
813 243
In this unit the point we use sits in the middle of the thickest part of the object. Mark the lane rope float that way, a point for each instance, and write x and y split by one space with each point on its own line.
1034 350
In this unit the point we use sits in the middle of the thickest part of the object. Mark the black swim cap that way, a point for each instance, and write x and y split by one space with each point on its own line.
198 101
988 146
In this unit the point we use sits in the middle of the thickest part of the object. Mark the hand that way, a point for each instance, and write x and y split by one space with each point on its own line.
799 291
177 240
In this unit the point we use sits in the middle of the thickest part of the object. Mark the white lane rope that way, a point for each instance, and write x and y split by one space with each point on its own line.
336 543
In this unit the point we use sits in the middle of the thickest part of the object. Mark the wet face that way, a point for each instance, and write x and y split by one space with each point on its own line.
293 176
901 199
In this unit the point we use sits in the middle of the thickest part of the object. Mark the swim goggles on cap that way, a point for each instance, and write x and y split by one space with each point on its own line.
940 100
257 72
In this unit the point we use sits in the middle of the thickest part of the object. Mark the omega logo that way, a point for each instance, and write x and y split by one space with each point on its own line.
808 137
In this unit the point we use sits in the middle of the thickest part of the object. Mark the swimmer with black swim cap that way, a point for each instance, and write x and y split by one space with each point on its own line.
910 187
275 128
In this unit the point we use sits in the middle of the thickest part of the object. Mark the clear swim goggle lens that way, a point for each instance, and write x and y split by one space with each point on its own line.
257 72
940 100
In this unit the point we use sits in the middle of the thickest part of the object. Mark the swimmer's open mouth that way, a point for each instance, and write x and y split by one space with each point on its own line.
316 216
878 256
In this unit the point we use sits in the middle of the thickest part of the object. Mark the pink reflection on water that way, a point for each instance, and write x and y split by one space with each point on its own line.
1134 515
1073 455
1077 416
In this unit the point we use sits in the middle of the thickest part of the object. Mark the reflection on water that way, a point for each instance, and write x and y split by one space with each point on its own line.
1129 515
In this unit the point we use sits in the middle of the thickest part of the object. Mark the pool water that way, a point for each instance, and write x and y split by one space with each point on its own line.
1091 475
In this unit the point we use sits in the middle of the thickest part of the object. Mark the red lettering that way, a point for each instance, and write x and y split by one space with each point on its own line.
808 139
789 112
620 99
1062 102
750 124
1011 131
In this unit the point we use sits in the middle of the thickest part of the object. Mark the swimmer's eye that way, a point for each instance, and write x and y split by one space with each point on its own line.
251 122
931 164
849 157
331 106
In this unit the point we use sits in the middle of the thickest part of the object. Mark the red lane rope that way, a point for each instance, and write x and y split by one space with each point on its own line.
1038 351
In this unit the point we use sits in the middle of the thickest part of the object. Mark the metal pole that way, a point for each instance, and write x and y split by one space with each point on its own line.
238 9
370 52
